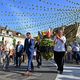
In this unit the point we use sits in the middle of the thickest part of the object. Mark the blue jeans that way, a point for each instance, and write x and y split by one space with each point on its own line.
14 60
6 64
30 63
76 56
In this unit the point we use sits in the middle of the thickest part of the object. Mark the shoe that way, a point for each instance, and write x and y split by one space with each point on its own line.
61 72
32 69
19 66
77 62
4 69
57 69
58 72
26 74
16 66
38 66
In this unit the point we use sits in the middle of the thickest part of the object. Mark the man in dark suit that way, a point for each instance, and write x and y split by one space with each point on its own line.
38 54
19 51
29 48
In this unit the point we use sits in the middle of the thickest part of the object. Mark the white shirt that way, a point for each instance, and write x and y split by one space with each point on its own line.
29 40
7 47
60 46
11 47
18 48
75 48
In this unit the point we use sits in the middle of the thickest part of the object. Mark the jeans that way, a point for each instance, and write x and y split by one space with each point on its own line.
18 59
30 63
6 63
76 56
14 58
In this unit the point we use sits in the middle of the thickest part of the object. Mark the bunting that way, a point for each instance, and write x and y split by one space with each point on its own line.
45 14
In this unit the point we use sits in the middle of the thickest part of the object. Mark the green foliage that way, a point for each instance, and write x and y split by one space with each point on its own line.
47 56
14 42
48 44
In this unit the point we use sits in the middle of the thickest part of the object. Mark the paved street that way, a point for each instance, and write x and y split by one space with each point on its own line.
46 72
71 72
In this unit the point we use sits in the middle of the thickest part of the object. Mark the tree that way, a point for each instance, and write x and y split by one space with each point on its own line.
14 42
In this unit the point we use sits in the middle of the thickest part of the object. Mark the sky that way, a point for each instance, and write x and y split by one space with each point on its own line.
38 15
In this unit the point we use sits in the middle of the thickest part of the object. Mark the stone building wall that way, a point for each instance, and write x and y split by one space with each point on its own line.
71 32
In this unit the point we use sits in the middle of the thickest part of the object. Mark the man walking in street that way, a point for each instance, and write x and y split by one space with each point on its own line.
29 49
19 51
38 54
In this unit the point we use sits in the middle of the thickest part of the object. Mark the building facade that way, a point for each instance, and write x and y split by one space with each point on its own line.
10 36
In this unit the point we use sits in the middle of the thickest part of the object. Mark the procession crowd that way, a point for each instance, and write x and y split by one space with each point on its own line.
15 55
20 53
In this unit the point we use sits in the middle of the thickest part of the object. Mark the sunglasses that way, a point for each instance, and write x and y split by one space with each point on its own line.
28 34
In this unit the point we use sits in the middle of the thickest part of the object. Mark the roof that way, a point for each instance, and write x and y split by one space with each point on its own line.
13 32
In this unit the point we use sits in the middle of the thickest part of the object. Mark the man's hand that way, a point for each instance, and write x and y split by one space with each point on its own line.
58 37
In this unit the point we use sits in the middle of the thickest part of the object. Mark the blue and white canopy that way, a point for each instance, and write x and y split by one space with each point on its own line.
38 15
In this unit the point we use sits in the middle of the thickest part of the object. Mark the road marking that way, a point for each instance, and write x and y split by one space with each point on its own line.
70 73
